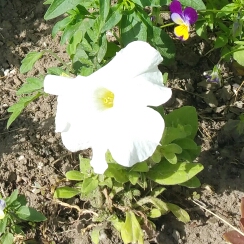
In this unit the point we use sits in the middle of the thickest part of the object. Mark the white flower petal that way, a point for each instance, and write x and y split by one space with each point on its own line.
128 128
87 129
141 91
56 85
77 138
138 138
1 214
60 85
98 161
136 58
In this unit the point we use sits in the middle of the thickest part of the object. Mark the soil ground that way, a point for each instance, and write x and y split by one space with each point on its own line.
34 160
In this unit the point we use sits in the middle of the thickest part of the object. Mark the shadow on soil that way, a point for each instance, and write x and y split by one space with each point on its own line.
21 21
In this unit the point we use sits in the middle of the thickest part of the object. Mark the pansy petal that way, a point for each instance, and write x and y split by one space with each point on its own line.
190 14
138 138
177 19
182 32
1 214
136 58
175 7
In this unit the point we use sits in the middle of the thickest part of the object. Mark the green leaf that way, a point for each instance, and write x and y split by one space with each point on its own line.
154 213
172 133
75 40
17 108
194 182
179 213
48 2
66 192
20 201
140 167
221 41
85 167
7 238
186 115
142 3
28 62
112 49
69 32
3 224
59 7
173 148
56 71
9 200
30 214
107 182
133 177
117 187
239 56
197 5
89 184
60 25
165 173
86 71
74 175
186 143
201 29
113 19
157 191
120 175
18 230
159 204
164 44
132 29
102 49
95 30
95 234
33 84
156 157
116 222
104 6
171 157
159 3
131 231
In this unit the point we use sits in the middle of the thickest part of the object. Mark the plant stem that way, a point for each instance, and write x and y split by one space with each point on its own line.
169 24
236 50
58 58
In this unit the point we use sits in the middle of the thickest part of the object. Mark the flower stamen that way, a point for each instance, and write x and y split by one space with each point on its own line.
104 98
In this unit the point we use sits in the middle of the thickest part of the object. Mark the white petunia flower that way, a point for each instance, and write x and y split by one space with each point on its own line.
2 207
108 110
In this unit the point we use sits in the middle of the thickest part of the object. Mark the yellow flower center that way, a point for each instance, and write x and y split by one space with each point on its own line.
104 98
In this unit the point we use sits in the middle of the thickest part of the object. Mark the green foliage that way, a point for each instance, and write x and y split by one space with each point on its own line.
128 198
166 173
131 231
30 214
17 216
138 189
84 33
225 20
28 62
66 192
198 5
18 107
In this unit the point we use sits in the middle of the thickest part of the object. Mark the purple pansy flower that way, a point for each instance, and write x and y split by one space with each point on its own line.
213 75
184 18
